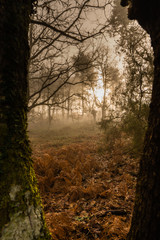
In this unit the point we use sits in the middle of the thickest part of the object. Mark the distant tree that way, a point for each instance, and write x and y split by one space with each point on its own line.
133 46
146 215
84 64
109 75
138 74
55 31
21 215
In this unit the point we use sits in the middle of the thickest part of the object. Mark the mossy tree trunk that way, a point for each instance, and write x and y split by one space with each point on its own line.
146 215
21 215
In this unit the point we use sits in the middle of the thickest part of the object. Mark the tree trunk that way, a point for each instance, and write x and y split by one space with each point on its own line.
21 215
146 215
82 98
49 116
68 106
104 100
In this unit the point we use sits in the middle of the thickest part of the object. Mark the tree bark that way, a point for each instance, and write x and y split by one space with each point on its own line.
21 215
146 215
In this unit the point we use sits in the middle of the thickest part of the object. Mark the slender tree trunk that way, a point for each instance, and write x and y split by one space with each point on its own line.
68 106
50 116
104 100
82 98
21 215
146 216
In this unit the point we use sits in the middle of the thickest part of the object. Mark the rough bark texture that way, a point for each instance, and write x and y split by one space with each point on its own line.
146 216
21 215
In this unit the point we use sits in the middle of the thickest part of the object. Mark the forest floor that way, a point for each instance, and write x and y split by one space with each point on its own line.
87 185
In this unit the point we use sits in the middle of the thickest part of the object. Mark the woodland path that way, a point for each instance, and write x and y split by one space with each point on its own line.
87 189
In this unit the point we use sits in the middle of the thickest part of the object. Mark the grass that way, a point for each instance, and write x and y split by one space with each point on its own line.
60 135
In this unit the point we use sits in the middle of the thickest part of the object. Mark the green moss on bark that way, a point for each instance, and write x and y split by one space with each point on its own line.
19 199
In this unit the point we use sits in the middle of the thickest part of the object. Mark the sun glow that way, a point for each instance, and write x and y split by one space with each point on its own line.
99 92
99 89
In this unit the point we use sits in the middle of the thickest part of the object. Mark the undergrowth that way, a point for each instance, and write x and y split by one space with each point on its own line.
87 194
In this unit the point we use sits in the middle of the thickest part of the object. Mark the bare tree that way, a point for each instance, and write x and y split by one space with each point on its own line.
109 76
55 31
